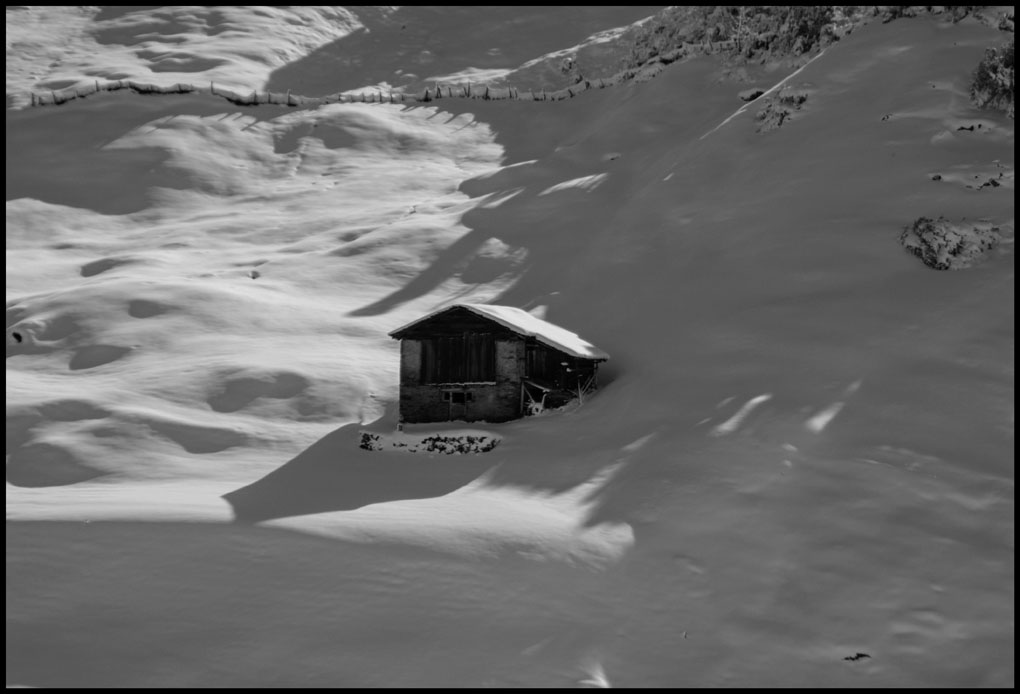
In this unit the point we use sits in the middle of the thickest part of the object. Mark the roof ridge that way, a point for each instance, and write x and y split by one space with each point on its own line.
524 323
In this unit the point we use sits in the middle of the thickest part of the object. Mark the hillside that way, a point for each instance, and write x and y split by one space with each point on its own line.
802 450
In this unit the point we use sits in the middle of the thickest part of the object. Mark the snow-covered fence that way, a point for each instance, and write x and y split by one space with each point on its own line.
254 98
62 96
436 92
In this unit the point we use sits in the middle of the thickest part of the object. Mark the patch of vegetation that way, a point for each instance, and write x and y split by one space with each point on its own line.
992 83
773 32
437 443
457 444
954 13
369 441
747 31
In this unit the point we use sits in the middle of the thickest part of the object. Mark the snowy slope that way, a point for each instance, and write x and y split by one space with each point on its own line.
803 445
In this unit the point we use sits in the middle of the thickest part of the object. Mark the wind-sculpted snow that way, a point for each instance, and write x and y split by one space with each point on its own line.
819 421
585 183
56 48
798 467
504 521
279 225
731 424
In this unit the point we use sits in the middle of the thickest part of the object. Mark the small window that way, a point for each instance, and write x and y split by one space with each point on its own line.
458 397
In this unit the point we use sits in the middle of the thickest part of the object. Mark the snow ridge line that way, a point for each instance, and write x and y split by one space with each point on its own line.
369 95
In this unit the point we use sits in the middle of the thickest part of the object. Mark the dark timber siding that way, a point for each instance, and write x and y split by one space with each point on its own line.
458 365
495 401
467 358
555 369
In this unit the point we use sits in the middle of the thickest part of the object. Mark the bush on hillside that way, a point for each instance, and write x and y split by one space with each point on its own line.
992 83
748 31
773 32
954 13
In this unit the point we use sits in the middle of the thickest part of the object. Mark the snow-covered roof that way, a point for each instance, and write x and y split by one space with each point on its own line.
524 323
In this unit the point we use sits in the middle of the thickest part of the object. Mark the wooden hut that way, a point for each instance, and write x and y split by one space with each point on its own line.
475 362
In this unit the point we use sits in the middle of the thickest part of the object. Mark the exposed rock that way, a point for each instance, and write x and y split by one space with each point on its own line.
452 444
771 116
778 108
943 246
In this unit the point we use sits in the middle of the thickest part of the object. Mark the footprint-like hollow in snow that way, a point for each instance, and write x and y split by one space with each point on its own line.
35 337
198 439
72 410
238 393
97 267
58 327
19 428
144 308
96 355
47 465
